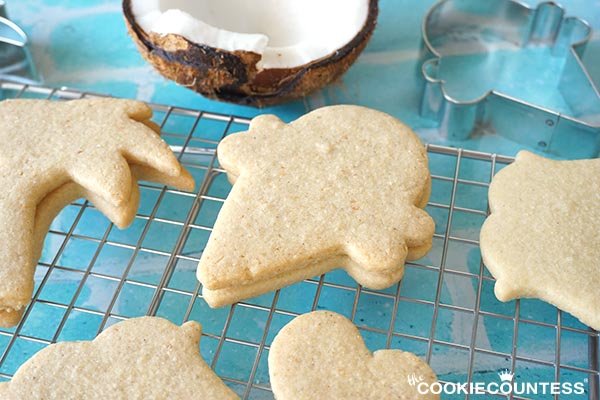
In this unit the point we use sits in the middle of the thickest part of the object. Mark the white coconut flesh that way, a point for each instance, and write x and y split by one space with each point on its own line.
286 33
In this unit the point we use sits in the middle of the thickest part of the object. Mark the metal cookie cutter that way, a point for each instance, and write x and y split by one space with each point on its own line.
484 29
16 63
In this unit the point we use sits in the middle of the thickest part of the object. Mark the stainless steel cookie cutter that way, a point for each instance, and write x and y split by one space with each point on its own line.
16 63
455 27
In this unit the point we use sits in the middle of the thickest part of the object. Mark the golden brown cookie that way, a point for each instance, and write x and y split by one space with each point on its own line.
321 355
142 358
542 238
343 186
55 152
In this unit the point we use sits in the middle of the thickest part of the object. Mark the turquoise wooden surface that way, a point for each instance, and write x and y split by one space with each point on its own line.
84 45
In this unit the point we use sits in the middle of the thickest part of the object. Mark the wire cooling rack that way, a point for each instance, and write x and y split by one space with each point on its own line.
92 275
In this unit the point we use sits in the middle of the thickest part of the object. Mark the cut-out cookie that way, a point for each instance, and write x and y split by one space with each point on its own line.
321 355
141 358
542 238
55 152
343 186
51 206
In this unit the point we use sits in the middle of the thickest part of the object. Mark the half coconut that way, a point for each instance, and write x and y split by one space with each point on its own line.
256 52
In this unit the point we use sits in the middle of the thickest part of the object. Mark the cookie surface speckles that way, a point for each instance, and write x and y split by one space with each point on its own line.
343 186
142 358
54 152
321 355
542 238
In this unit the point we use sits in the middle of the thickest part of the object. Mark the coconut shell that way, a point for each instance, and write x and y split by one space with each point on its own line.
233 76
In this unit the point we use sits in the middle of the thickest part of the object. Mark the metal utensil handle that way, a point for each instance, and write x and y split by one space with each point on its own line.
16 63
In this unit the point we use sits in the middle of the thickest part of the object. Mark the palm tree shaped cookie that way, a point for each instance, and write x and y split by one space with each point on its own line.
55 152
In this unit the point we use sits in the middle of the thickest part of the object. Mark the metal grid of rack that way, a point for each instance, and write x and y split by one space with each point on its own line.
463 332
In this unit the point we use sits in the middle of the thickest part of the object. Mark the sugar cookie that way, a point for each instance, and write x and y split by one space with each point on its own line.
57 151
343 186
142 358
542 238
321 355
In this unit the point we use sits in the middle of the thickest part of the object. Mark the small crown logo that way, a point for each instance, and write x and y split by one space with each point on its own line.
506 375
